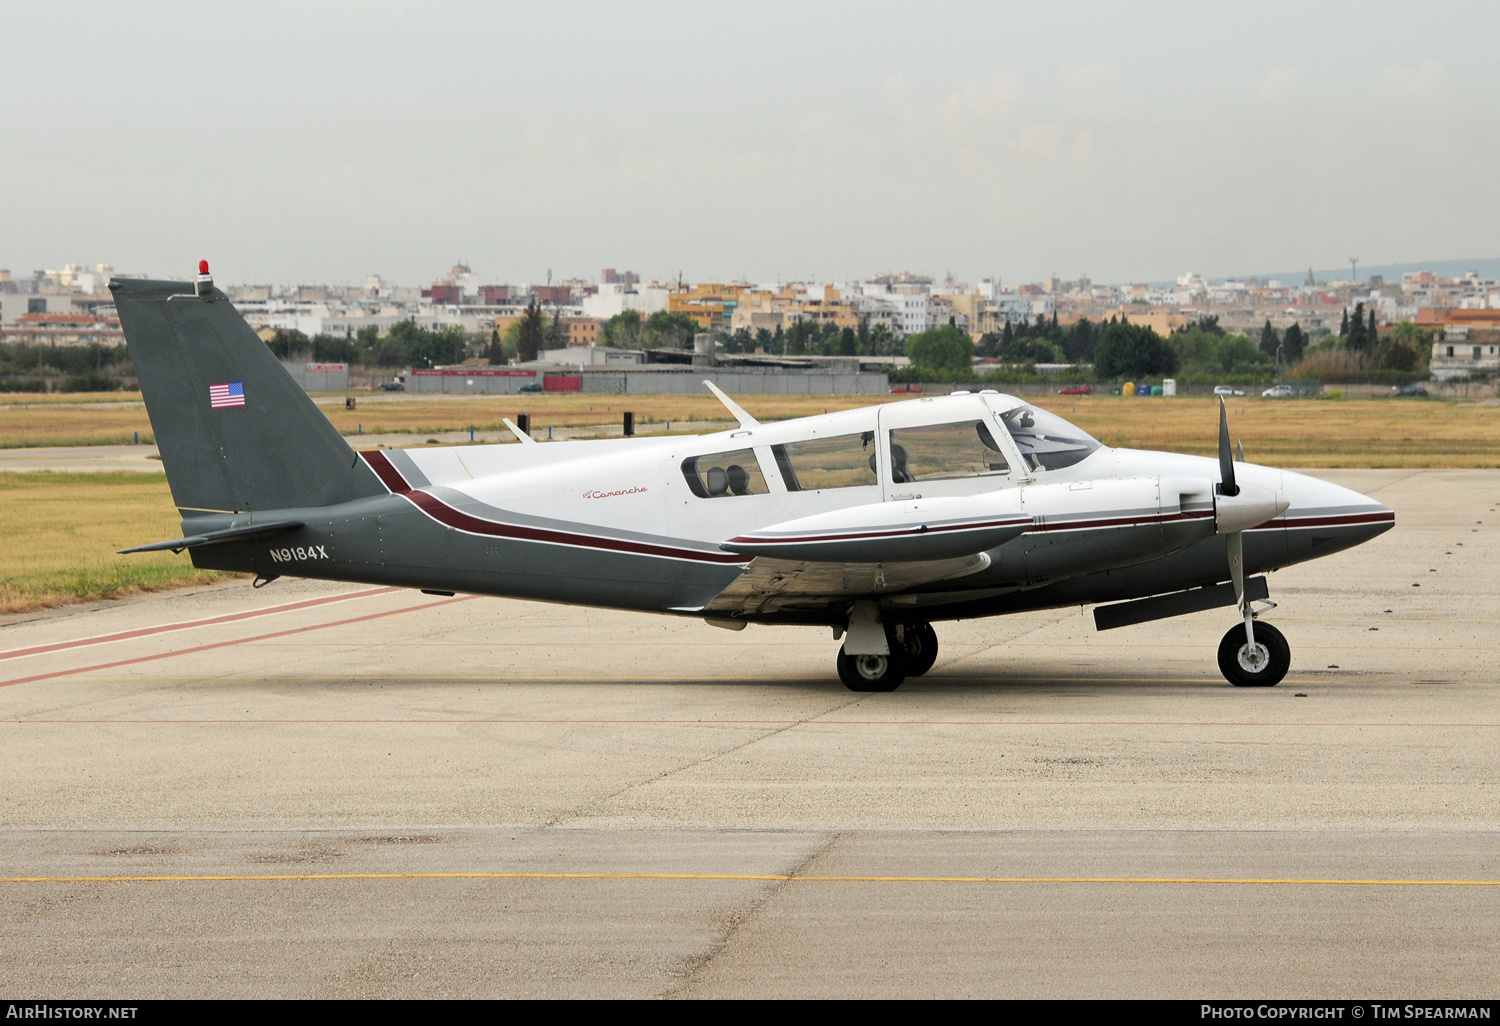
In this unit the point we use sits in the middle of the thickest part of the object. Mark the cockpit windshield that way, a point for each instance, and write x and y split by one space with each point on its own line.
1046 440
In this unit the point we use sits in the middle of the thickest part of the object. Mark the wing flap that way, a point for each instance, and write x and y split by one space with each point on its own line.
774 584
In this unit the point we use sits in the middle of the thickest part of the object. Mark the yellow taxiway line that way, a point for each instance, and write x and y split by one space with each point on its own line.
771 877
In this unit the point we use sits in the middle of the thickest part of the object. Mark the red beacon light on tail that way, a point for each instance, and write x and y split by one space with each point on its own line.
203 285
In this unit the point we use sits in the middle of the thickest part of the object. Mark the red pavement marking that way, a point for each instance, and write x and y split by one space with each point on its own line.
226 644
100 639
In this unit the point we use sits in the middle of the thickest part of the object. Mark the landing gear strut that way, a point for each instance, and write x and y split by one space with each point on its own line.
1260 664
913 650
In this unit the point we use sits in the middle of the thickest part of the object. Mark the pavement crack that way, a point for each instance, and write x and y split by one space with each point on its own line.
595 803
739 917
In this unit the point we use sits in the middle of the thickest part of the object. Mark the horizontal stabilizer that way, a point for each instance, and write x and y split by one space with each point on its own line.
233 534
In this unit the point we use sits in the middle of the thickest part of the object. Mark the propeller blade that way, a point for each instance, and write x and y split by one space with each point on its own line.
1239 450
1226 457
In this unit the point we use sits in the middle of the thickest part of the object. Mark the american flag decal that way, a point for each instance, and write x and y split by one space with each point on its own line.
232 394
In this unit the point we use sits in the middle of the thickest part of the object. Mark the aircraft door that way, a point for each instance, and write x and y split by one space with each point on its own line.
948 446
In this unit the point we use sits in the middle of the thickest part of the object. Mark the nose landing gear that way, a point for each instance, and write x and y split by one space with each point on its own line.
1258 665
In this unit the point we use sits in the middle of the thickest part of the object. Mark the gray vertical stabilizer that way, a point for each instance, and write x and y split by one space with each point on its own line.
275 451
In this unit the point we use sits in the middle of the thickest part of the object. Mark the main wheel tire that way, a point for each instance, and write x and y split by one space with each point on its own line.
1262 668
870 673
919 646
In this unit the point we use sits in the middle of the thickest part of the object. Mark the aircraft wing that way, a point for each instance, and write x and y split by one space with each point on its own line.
771 585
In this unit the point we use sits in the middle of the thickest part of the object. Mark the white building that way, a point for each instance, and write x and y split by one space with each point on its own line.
613 299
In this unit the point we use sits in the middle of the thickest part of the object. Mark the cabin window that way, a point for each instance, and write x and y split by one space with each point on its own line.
1046 441
724 473
843 461
940 452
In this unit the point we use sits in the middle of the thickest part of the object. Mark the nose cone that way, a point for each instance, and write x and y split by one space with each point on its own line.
1324 517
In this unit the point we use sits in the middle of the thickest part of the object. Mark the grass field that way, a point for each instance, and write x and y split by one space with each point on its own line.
1286 432
59 534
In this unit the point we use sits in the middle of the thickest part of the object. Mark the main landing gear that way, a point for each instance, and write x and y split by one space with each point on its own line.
913 649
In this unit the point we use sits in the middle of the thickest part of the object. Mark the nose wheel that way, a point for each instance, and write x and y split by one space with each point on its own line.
1261 665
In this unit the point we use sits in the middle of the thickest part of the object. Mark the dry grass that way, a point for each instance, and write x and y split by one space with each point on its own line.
1299 432
1286 432
59 534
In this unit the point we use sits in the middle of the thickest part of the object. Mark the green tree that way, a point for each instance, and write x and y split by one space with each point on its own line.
334 349
763 340
862 337
622 331
1293 343
883 342
1128 350
943 349
531 334
1077 343
420 347
848 343
289 343
557 333
495 354
1029 350
663 330
1268 339
1344 324
1355 339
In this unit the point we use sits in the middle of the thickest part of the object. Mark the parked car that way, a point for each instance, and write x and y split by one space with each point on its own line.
1075 390
533 387
903 389
1412 389
1225 390
1278 392
393 385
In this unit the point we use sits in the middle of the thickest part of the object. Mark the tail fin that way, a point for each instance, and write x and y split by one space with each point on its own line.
235 431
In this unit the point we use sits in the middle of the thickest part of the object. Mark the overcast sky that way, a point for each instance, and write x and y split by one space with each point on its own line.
1128 141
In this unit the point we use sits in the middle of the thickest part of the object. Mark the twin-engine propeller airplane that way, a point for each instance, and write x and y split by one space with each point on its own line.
876 522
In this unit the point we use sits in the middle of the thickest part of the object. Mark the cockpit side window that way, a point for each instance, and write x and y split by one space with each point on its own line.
1046 441
940 452
724 473
843 461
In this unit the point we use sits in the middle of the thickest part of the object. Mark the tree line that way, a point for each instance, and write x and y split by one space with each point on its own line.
90 368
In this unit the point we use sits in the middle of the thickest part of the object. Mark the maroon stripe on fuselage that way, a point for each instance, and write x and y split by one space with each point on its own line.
1342 520
457 519
1126 521
383 468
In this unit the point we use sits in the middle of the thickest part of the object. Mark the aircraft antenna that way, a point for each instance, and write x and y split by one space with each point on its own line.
746 421
521 436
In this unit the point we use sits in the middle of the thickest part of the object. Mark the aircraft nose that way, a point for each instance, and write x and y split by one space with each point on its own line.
1323 516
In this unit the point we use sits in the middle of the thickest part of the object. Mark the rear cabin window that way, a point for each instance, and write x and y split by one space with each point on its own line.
940 452
724 473
843 461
